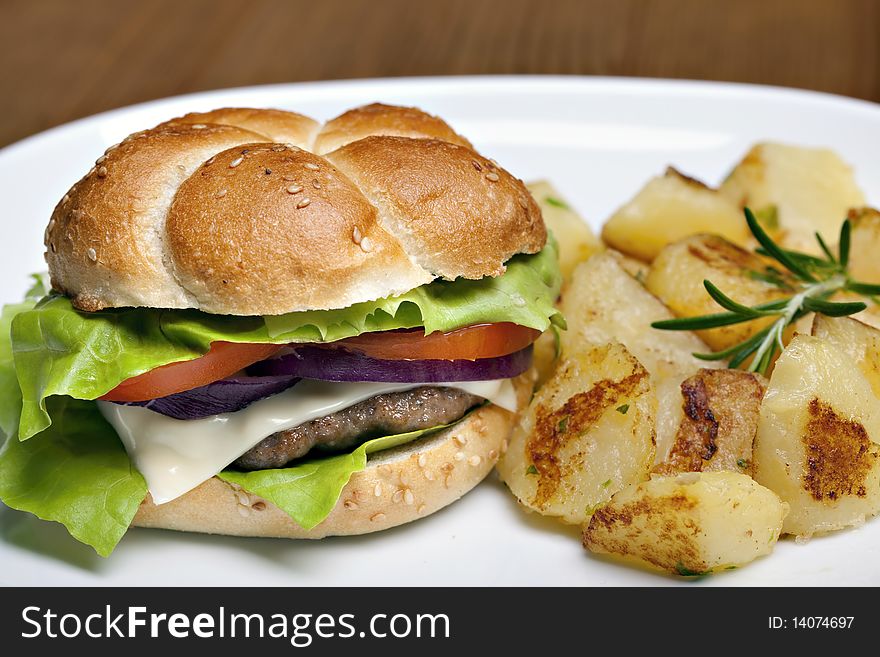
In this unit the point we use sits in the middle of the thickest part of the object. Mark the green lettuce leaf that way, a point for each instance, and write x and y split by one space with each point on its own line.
77 473
10 394
61 351
307 492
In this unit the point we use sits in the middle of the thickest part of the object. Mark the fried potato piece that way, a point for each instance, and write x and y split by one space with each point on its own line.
691 524
721 411
795 191
602 304
587 433
817 441
864 265
668 208
677 276
576 240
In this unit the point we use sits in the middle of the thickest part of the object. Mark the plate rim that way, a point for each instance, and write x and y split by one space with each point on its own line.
565 83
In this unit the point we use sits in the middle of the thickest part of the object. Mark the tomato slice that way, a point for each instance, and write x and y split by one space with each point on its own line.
468 343
223 359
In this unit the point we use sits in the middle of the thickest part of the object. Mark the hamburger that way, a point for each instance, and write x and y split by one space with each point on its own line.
255 324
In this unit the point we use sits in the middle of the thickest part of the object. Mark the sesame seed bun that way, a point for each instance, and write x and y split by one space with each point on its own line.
398 485
233 212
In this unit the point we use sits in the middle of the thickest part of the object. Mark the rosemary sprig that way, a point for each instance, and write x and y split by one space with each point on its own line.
816 280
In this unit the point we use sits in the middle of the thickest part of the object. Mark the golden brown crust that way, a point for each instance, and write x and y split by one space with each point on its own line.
170 218
720 416
455 212
380 119
398 486
274 125
245 232
104 239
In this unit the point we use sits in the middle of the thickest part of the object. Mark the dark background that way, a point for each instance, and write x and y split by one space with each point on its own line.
65 59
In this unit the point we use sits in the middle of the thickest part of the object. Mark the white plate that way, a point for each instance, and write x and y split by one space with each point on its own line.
598 140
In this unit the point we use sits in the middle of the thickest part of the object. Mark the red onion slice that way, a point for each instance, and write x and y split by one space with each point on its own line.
340 365
223 396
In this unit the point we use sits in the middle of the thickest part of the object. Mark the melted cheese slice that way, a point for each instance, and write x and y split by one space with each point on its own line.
175 456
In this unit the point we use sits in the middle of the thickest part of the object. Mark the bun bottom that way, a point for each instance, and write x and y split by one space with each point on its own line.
399 485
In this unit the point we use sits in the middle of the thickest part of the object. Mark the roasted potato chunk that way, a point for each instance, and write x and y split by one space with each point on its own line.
668 208
691 524
797 191
863 262
721 411
677 276
575 237
588 433
602 304
817 440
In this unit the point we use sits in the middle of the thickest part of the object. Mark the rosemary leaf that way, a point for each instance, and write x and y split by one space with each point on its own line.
774 251
697 323
729 304
825 248
869 289
832 308
843 244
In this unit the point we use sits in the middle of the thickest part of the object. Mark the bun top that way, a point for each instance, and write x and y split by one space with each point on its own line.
263 212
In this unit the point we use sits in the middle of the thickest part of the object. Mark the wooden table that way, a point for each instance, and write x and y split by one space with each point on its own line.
64 59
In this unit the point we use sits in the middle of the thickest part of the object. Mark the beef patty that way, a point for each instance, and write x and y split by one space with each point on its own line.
382 415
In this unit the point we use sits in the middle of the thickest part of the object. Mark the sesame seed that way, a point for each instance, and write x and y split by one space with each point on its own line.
93 255
259 505
101 159
294 189
493 454
447 467
242 497
408 497
210 160
461 441
492 177
51 225
459 456
52 246
244 511
221 193
268 171
377 517
199 126
504 445
428 475
311 166
277 148
356 235
423 460
316 184
66 199
102 172
288 178
397 497
350 504
474 460
236 162
303 203
476 165
366 245
377 491
421 508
